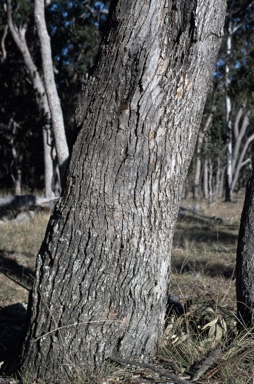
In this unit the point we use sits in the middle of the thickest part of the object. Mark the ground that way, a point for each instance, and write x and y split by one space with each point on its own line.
201 345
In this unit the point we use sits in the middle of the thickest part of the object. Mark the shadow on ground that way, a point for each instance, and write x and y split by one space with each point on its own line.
13 317
205 246
12 334
14 270
194 230
211 270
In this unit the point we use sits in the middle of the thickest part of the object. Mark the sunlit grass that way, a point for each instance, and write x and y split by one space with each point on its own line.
203 278
24 238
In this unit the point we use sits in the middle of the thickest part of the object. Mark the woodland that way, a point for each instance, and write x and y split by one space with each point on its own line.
223 156
110 235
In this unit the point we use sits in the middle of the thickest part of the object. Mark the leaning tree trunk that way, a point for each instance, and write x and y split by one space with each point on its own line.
245 260
103 270
51 90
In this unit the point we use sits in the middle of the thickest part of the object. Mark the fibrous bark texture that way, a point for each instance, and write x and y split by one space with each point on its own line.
245 260
103 270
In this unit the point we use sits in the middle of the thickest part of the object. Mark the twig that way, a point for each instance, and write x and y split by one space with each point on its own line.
170 361
75 324
4 53
14 280
209 361
162 372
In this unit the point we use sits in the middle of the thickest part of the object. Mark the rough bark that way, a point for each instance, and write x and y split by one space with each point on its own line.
245 259
103 270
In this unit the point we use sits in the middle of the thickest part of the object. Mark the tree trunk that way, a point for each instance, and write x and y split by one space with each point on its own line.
48 162
103 270
200 141
205 179
19 36
16 173
245 259
50 88
229 176
219 178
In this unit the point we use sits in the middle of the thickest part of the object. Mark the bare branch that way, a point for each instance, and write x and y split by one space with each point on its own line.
20 40
4 53
237 121
239 138
162 372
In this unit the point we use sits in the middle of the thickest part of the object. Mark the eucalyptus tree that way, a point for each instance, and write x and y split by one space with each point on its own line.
102 275
223 152
74 36
239 24
18 31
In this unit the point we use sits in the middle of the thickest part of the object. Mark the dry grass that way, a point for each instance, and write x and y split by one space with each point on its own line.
19 244
24 238
203 262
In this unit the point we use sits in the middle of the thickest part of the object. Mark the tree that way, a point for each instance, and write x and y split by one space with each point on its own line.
102 275
20 129
223 149
74 37
244 260
238 21
58 128
19 36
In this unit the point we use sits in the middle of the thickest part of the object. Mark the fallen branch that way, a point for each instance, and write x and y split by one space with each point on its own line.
161 372
11 205
207 363
194 212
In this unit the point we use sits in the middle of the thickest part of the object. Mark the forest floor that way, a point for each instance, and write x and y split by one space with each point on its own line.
203 344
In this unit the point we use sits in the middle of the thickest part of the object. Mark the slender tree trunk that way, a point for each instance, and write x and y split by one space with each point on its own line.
50 87
241 161
48 163
210 180
229 175
197 178
200 141
219 171
239 133
103 270
19 36
245 259
16 173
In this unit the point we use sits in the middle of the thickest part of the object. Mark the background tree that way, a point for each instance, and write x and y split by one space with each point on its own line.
57 122
19 32
74 38
223 151
244 261
110 237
